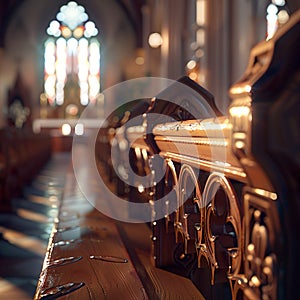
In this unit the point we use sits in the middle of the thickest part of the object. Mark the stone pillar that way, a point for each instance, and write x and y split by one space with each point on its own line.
173 26
217 58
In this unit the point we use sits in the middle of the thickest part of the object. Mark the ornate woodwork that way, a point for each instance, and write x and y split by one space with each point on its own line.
231 183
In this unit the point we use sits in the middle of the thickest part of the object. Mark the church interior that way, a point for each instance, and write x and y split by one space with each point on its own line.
149 149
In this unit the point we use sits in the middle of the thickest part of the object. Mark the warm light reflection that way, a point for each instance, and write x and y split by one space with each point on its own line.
267 194
72 110
196 67
191 64
193 76
241 89
145 154
155 40
276 17
239 111
78 32
137 151
200 17
201 37
66 32
66 129
139 60
283 17
22 240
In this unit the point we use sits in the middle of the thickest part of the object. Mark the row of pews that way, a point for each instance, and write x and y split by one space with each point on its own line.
223 214
223 190
22 155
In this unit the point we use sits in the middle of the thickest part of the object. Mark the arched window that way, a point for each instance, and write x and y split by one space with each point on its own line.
72 53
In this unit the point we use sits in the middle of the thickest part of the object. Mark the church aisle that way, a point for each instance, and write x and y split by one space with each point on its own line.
55 238
24 234
93 256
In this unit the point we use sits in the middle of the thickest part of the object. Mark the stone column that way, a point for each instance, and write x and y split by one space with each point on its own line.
173 26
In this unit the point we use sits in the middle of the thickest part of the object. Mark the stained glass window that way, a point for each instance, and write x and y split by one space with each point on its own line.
72 51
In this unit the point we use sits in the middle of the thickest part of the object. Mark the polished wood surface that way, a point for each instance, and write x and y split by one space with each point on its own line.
228 196
103 258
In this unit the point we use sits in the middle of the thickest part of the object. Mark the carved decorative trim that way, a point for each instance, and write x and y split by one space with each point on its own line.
227 235
259 277
181 222
232 171
170 171
226 209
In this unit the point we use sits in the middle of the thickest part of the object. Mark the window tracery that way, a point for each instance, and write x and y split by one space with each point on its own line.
72 53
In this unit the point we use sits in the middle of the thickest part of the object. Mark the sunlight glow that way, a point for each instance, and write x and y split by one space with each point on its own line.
66 129
155 40
69 50
276 17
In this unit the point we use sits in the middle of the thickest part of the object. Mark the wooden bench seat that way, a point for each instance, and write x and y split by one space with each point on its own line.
91 256
22 155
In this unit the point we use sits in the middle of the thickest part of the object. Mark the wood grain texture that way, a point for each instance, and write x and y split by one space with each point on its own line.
87 232
80 232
